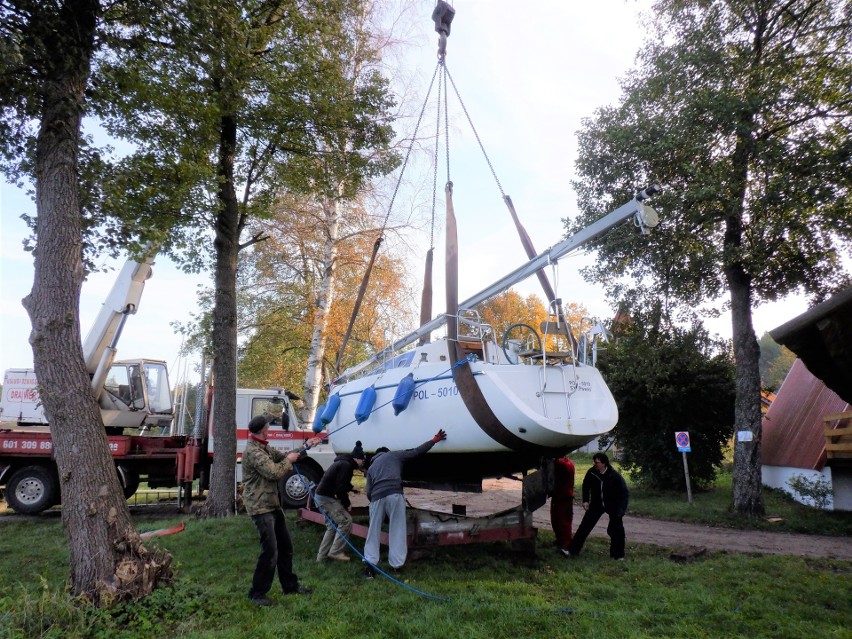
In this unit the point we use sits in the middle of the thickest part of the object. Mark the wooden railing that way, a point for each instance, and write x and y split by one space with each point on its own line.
838 435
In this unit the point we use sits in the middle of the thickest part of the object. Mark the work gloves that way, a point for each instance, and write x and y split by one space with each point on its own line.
439 436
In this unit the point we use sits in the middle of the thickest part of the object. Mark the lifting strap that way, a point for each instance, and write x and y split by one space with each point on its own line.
542 276
355 309
463 377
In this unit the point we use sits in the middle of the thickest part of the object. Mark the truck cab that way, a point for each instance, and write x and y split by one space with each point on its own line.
135 395
286 434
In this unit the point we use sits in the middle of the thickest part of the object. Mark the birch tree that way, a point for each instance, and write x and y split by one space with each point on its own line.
280 281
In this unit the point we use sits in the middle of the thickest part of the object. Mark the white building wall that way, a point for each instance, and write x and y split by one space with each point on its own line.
778 476
842 483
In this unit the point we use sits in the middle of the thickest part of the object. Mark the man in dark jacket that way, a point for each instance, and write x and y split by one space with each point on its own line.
262 467
384 490
332 496
604 491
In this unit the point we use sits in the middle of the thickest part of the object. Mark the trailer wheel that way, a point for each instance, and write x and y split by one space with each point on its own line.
32 490
292 490
129 479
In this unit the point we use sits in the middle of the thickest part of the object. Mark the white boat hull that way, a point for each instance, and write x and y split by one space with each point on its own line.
550 409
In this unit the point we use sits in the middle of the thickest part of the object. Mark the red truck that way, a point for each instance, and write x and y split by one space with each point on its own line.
136 407
28 470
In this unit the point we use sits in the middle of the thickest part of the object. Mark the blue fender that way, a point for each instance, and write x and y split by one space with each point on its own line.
365 404
331 406
404 393
318 425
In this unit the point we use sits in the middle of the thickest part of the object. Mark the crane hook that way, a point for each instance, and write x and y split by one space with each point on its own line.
443 15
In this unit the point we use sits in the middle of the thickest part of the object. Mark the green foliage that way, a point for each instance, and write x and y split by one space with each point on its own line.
668 379
742 111
718 92
775 362
818 490
258 96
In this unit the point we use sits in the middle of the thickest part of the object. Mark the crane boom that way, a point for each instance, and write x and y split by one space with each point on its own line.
99 347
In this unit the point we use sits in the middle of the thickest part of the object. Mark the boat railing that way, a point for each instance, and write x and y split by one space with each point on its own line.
592 334
475 336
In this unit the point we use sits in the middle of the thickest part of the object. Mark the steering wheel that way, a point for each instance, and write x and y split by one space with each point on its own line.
527 335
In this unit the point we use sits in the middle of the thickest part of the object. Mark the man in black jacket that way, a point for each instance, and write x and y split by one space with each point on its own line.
604 491
332 496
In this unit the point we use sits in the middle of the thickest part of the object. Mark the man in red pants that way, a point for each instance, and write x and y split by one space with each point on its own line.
562 501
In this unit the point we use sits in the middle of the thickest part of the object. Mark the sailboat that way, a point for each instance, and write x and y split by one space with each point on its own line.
505 401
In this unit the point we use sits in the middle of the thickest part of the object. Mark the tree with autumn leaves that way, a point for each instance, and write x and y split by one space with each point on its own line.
281 280
506 309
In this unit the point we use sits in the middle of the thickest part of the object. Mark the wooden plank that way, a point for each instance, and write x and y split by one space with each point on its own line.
844 415
838 432
554 328
839 448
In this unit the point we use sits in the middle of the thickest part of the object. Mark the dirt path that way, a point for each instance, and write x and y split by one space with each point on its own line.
502 494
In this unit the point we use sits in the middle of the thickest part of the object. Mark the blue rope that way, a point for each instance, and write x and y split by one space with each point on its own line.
469 358
330 521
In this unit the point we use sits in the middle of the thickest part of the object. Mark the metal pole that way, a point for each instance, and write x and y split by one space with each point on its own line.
686 474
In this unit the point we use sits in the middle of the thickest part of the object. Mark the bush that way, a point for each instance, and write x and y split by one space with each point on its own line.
667 380
817 491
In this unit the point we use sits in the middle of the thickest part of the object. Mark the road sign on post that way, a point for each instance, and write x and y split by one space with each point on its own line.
683 447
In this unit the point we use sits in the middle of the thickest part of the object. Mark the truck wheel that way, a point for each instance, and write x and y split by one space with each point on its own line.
31 490
292 490
129 480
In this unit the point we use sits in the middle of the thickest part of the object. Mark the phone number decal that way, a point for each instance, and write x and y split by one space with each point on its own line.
27 444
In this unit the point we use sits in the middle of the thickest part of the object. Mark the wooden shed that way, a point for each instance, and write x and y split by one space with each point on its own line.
795 437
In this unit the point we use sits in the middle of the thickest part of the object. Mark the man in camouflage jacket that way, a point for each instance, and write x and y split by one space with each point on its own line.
263 467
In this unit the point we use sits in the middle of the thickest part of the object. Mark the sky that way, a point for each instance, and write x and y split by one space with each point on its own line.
528 73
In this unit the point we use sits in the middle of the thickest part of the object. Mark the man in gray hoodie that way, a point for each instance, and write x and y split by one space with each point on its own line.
384 490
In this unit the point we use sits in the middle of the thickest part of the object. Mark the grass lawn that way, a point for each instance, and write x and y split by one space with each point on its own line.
479 591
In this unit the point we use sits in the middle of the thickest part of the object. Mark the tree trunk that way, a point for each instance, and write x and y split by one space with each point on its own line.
747 481
313 374
108 561
229 223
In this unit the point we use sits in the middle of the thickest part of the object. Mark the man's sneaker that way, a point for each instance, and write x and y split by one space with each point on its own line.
566 552
369 571
260 601
618 558
340 557
299 590
396 570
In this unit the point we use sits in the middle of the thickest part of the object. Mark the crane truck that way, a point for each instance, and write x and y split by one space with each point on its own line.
136 407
